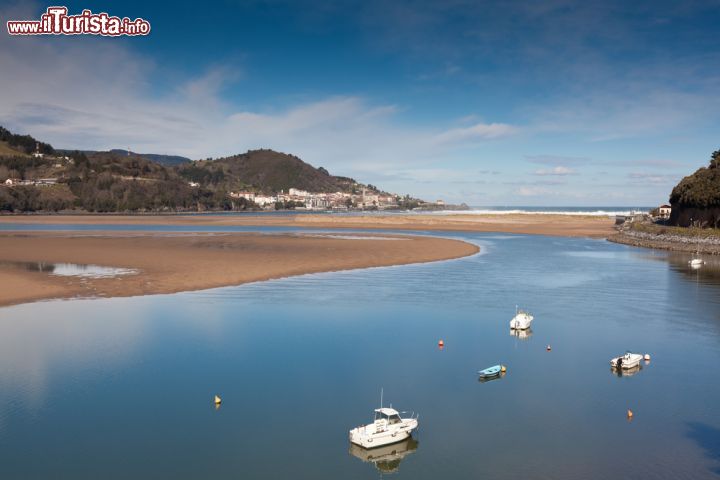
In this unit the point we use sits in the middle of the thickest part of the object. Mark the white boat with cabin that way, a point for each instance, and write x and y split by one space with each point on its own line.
627 361
521 320
388 427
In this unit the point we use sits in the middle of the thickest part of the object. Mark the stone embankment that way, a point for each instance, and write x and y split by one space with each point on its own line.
668 241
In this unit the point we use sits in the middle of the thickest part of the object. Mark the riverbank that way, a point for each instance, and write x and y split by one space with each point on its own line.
675 239
533 224
168 263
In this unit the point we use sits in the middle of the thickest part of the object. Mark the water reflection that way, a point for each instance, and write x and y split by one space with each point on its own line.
71 269
626 372
521 334
491 379
708 438
125 376
386 459
708 272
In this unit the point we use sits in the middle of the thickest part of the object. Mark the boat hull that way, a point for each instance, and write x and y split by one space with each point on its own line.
628 361
521 321
368 437
381 440
491 372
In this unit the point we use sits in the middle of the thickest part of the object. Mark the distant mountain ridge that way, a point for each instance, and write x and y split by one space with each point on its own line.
162 159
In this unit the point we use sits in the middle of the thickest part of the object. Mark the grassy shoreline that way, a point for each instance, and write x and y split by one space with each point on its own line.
663 237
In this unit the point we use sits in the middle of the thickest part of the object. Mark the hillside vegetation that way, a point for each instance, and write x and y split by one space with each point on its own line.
23 144
695 200
117 182
267 171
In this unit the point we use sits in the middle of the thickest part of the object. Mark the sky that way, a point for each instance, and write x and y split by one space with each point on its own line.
553 103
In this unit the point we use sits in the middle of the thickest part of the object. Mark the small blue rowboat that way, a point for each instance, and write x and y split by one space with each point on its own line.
491 372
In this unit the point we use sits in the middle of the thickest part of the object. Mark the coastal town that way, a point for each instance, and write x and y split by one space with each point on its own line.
301 199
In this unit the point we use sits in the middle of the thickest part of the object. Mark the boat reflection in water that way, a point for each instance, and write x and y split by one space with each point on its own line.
627 372
491 379
521 334
386 459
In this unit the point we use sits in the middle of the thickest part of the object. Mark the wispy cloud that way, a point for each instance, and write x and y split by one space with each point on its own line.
559 171
479 131
101 95
557 160
654 178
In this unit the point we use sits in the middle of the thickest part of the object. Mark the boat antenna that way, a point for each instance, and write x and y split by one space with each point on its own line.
381 395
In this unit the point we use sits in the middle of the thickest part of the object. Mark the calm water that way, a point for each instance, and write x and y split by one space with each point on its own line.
123 388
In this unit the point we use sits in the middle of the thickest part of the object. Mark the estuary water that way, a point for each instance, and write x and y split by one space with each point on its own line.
123 388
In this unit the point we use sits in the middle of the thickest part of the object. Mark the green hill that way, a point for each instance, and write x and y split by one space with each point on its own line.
266 171
114 181
696 199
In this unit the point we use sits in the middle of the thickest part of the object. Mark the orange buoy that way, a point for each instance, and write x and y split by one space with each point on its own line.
548 348
441 344
629 413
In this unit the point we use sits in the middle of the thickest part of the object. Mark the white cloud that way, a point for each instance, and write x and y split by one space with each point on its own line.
479 131
90 93
553 160
655 178
559 171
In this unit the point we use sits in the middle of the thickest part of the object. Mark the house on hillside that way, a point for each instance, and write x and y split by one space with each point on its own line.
664 211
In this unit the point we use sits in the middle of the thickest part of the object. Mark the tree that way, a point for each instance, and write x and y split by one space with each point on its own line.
715 159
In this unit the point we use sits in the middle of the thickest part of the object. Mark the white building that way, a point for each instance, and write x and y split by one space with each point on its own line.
664 211
245 195
264 200
294 192
44 182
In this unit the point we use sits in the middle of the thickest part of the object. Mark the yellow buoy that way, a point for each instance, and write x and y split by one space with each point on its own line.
629 413
503 369
218 400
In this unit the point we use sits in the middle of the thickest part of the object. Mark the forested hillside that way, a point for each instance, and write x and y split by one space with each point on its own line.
36 177
696 199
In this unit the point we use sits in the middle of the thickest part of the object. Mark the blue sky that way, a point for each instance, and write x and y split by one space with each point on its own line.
491 103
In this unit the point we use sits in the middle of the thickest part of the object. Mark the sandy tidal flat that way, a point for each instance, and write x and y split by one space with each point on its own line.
167 263
535 224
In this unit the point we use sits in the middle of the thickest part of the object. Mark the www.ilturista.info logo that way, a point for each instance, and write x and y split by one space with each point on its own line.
56 21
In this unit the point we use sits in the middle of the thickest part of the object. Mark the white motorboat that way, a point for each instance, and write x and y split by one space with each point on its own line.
387 428
521 320
627 361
